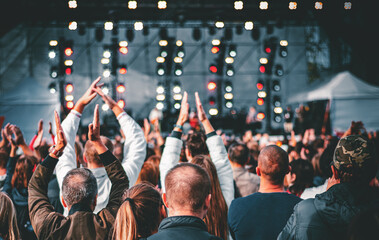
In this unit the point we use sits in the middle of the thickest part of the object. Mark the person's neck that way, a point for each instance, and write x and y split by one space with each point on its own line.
236 165
3 171
94 165
267 187
177 213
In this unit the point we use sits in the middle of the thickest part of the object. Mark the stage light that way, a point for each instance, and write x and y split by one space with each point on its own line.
105 107
73 25
68 70
138 26
263 60
160 69
229 60
229 104
99 34
228 96
213 111
72 4
69 88
52 54
54 72
260 101
68 62
267 47
238 5
178 60
123 44
219 24
120 88
108 26
53 43
163 52
283 43
260 85
68 51
121 103
228 86
263 5
279 70
261 116
177 97
212 100
216 42
176 89
213 68
52 88
159 105
160 59
70 105
106 73
132 4
277 118
262 68
123 50
278 110
262 94
160 90
69 98
283 52
215 49
180 52
249 25
178 70
162 4
179 43
163 43
105 61
230 70
318 5
232 50
211 86
276 86
123 69
292 5
276 101
105 90
160 97
347 5
177 105
107 54
196 34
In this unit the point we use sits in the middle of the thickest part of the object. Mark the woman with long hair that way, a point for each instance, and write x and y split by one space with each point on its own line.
300 177
8 219
140 214
216 218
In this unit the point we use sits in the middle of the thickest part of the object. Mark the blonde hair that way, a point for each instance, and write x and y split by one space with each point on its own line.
8 220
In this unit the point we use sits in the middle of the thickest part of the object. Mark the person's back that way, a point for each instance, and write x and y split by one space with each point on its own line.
263 215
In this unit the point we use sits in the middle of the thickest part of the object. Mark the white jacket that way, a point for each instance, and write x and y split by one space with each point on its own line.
217 151
134 155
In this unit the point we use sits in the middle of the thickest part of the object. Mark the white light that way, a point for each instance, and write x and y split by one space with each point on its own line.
179 43
233 53
105 107
238 5
163 43
164 54
278 110
161 97
53 43
249 25
105 61
69 98
229 104
230 72
105 90
52 54
123 43
177 97
228 96
262 94
106 73
160 105
347 5
213 111
54 75
178 72
72 4
263 5
216 42
177 105
73 25
229 60
181 54
160 89
318 5
162 4
132 4
283 43
160 72
138 26
263 60
176 89
178 60
160 59
292 5
68 62
107 54
108 26
52 90
219 24
228 88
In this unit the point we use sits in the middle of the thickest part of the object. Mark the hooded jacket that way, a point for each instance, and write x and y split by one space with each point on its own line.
328 215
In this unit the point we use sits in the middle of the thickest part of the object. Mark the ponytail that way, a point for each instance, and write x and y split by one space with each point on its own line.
125 227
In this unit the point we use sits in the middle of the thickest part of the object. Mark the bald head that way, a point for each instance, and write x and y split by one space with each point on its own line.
187 187
90 152
273 164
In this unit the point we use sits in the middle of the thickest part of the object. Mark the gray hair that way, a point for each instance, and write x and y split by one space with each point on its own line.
79 186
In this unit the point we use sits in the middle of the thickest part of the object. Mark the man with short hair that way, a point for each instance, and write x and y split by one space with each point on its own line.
262 215
187 198
79 192
327 216
246 182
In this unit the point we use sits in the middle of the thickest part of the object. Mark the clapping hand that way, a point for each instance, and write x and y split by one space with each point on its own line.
61 139
184 107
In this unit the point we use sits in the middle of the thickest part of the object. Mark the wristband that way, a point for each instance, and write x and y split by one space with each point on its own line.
178 126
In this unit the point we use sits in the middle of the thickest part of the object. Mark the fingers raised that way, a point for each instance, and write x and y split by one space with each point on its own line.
96 121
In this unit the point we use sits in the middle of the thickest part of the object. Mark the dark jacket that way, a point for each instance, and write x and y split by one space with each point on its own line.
327 216
82 223
183 228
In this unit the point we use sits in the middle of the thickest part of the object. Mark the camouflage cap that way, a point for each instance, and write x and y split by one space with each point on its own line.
352 152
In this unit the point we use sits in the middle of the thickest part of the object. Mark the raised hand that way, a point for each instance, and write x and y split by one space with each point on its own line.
88 96
184 107
200 110
19 138
109 101
38 140
94 127
61 139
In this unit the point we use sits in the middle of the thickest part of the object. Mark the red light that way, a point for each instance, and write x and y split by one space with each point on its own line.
212 86
259 86
262 69
260 116
121 103
68 71
69 88
123 50
122 70
268 50
120 88
68 51
260 101
213 68
70 104
215 49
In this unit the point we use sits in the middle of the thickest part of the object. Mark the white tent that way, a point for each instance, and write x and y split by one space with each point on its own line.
26 104
351 100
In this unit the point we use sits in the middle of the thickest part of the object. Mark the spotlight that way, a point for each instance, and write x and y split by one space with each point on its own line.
230 70
160 97
160 59
262 68
160 89
107 54
52 88
178 60
120 88
69 88
318 5
106 73
105 107
179 43
163 52
260 85
215 49
262 94
249 25
160 105
276 86
213 111
261 116
219 24
68 62
53 43
70 105
54 72
177 97
72 4
123 69
162 4
279 70
73 25
121 103
229 60
232 50
263 5
176 88
160 69
68 51
229 104
178 70
213 68
212 100
108 26
138 26
211 86
228 86
278 110
292 5
180 52
260 101
177 105
132 4
238 5
228 96
68 70
52 54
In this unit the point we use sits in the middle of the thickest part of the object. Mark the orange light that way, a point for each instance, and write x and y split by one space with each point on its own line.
121 103
215 49
259 86
279 143
260 101
68 51
70 104
123 70
120 88
212 86
123 50
260 116
213 68
69 88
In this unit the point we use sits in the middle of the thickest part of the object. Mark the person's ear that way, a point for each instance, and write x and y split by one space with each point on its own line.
163 212
63 202
335 172
207 202
188 154
84 158
93 206
258 171
164 198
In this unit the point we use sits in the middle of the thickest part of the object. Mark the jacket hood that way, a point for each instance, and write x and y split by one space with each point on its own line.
342 202
20 196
